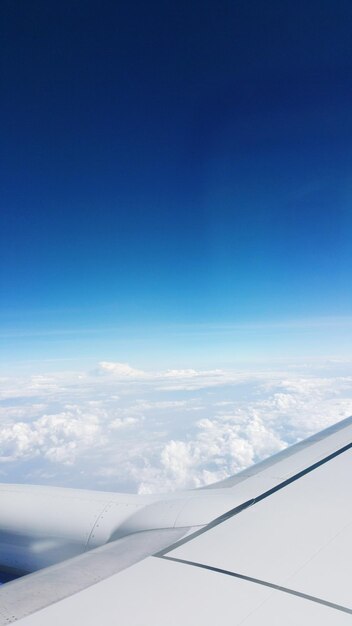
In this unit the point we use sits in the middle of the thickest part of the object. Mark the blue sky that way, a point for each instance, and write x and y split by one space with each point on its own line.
176 181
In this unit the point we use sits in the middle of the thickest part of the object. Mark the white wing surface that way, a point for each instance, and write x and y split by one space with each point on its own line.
281 554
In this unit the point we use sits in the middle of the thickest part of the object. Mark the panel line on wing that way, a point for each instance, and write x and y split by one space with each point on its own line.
245 505
263 583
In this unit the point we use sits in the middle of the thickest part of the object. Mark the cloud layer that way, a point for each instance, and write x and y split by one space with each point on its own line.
123 429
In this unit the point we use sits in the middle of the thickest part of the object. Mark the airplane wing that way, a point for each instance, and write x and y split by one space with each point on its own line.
277 551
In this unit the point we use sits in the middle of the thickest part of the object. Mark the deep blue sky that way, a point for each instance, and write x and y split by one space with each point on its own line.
167 163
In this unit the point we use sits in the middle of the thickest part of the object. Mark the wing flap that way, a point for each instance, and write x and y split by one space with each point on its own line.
156 592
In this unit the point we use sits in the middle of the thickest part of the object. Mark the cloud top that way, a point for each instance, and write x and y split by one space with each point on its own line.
125 429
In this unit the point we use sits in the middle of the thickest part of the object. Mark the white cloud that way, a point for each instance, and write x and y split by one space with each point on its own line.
170 379
120 370
57 437
122 428
119 422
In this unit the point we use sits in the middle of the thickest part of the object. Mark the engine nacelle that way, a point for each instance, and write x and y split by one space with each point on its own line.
41 526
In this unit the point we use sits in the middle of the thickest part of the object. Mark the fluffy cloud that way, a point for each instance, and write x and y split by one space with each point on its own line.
121 428
119 370
57 437
171 379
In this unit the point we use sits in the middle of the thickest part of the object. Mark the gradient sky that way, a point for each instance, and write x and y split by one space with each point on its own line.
176 180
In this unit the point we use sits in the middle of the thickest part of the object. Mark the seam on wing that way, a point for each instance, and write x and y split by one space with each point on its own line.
105 508
263 583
